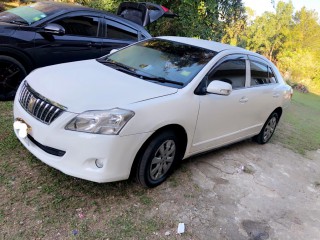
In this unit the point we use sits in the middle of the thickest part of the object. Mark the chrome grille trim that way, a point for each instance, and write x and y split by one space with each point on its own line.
39 107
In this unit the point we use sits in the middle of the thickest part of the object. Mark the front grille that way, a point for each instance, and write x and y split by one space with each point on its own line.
39 107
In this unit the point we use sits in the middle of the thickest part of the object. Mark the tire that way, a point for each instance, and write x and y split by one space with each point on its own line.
12 73
158 160
268 129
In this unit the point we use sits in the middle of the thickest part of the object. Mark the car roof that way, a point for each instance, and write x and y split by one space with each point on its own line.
211 45
67 7
214 46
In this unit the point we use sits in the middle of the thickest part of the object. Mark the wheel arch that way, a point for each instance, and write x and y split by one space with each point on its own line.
177 129
278 110
21 57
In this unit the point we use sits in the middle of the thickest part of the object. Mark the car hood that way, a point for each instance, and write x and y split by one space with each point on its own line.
7 29
90 85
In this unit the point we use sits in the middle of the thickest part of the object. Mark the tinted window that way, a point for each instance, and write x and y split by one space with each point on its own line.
261 74
80 26
118 31
164 59
231 71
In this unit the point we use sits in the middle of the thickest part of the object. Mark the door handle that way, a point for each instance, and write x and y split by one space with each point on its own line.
93 44
243 100
276 95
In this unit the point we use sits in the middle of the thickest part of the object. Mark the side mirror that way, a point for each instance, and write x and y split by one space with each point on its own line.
114 51
54 29
219 87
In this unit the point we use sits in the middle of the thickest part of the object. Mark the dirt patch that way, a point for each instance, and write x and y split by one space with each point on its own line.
244 192
249 191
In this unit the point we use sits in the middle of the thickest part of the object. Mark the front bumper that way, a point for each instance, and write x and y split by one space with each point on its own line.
116 152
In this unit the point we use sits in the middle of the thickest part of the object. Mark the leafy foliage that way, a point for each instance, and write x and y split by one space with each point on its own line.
269 32
291 40
205 19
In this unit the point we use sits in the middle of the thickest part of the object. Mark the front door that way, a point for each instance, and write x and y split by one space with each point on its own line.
79 42
223 119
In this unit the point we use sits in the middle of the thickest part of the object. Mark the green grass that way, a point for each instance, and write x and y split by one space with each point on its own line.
39 202
299 128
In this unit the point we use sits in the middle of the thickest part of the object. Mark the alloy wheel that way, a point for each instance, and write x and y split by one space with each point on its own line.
11 74
162 160
269 129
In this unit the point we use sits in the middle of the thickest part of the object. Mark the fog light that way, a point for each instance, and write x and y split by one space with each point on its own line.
99 163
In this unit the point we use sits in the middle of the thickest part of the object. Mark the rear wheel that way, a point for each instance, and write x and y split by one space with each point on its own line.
268 129
158 159
12 73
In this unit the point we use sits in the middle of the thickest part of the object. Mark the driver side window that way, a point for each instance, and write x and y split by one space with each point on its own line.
80 26
230 71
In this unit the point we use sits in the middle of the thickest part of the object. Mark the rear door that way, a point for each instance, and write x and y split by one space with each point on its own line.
265 92
117 35
80 41
143 13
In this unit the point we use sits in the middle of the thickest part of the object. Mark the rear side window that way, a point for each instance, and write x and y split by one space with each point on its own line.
80 26
230 71
261 74
114 30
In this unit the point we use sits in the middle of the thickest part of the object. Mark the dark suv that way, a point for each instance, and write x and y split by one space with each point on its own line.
47 33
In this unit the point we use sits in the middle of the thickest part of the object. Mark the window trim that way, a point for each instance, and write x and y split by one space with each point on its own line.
116 24
235 56
98 18
264 62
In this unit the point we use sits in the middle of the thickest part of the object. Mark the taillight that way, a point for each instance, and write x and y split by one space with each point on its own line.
165 9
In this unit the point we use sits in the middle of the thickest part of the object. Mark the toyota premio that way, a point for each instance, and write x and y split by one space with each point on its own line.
140 110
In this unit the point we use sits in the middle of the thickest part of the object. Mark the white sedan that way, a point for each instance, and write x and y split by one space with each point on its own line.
142 109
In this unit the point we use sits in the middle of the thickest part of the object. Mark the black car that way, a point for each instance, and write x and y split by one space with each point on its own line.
47 33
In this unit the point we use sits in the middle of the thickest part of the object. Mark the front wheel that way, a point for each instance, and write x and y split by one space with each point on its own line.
12 73
158 159
268 129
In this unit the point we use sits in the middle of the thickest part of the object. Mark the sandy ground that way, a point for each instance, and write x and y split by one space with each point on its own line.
248 191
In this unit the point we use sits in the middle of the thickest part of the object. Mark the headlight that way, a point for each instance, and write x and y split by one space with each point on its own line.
108 122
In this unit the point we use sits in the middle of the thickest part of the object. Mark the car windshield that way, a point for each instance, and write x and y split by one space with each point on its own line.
28 14
162 61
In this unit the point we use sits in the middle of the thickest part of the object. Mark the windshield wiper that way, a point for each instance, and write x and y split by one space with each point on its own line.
162 80
110 62
134 72
122 67
19 22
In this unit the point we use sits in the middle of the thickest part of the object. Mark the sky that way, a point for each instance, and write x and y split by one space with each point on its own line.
260 6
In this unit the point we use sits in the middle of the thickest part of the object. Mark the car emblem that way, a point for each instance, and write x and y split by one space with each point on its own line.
31 103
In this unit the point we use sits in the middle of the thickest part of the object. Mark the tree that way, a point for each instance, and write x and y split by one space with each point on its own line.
207 19
269 32
301 56
234 18
306 32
